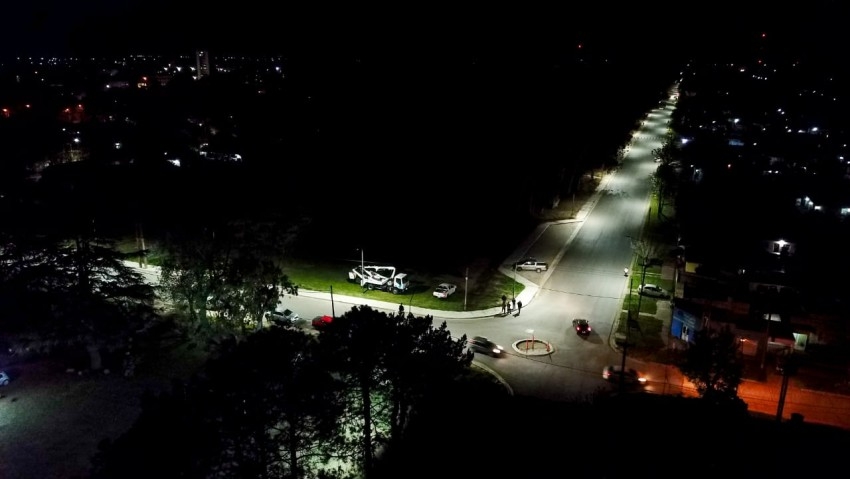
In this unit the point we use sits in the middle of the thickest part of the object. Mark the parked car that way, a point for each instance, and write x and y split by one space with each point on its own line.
480 344
652 290
285 316
631 377
582 326
444 290
319 322
531 264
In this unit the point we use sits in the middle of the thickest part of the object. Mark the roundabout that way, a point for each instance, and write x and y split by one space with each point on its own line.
532 347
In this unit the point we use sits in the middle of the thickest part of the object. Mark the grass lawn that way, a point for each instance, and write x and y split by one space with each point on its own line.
647 305
128 245
484 293
645 336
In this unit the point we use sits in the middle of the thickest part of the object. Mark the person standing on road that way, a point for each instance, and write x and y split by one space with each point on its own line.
513 305
504 303
518 307
401 309
509 308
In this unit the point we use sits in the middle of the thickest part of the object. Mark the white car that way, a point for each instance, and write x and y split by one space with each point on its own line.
652 290
444 290
531 264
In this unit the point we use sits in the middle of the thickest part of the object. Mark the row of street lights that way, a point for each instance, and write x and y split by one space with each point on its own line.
629 320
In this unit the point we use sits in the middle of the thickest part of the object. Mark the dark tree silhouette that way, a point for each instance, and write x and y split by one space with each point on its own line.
74 291
264 408
713 363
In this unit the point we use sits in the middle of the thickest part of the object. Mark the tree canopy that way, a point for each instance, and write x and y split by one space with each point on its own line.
283 403
713 363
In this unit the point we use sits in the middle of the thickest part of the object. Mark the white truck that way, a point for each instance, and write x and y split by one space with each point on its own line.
383 278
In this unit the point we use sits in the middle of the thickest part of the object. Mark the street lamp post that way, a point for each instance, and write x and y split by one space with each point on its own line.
628 331
643 274
333 313
465 287
513 286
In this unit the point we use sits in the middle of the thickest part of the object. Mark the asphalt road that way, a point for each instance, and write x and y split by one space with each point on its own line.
585 280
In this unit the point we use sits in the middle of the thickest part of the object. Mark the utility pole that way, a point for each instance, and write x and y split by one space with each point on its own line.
140 245
626 342
788 369
766 340
465 287
333 313
643 275
362 270
513 286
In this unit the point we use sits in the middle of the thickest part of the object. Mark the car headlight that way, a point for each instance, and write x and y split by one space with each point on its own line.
643 380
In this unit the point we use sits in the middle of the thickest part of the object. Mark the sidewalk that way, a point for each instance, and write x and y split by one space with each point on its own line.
526 296
761 397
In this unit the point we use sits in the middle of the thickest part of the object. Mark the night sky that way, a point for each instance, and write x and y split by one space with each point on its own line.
79 27
480 61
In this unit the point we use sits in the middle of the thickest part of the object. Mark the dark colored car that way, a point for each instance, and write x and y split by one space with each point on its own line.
630 377
480 344
582 327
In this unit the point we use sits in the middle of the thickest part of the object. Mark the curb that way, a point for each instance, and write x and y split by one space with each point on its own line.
535 352
495 375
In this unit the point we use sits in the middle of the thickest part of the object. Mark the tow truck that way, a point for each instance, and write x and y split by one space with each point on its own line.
383 278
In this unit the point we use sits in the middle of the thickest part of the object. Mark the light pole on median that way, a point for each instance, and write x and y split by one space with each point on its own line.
626 342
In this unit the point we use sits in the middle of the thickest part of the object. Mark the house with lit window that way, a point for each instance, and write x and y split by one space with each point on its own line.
762 300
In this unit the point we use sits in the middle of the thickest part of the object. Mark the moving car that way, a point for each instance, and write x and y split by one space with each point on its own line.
582 327
531 264
319 322
652 290
444 290
631 377
480 344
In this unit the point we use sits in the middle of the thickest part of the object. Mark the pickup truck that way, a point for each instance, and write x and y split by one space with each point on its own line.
531 264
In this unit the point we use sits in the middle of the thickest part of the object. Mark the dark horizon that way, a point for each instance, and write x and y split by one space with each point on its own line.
100 27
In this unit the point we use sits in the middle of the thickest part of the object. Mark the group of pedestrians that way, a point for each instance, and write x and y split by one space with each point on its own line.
508 306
